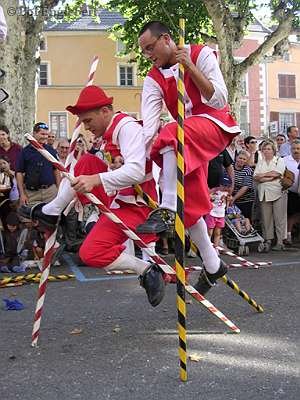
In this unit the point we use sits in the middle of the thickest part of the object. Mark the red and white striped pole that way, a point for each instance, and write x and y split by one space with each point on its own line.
71 158
50 245
131 235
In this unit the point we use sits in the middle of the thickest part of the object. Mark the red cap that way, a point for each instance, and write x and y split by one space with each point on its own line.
90 97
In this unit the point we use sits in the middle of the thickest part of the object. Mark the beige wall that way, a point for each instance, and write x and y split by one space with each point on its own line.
284 67
69 56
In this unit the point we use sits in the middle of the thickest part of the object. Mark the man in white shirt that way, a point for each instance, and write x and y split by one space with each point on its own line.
3 25
104 245
208 129
285 148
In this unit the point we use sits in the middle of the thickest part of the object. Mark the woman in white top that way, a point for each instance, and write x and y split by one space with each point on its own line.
267 174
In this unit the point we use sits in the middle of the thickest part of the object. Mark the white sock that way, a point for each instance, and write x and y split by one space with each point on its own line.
64 196
126 261
169 179
199 236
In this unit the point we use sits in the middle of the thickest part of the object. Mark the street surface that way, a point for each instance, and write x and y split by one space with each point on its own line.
100 339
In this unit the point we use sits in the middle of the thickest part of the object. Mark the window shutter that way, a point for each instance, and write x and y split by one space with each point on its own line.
298 120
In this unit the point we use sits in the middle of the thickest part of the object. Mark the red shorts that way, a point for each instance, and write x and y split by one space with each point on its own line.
105 242
203 141
214 222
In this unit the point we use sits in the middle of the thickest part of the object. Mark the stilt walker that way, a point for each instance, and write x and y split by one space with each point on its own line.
179 219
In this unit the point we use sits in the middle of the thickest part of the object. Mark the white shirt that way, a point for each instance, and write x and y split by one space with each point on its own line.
218 200
132 147
269 191
292 165
152 96
3 25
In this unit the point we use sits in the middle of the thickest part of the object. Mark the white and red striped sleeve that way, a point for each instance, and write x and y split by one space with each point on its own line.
208 64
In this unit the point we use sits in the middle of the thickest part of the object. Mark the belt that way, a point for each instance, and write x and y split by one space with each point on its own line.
34 188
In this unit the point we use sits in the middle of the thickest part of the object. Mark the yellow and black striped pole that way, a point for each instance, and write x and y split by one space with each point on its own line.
179 220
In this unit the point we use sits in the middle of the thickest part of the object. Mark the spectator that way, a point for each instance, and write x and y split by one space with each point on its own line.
267 174
7 183
293 207
242 224
285 148
280 140
216 169
234 148
10 261
8 148
62 150
37 179
215 220
251 148
243 192
51 139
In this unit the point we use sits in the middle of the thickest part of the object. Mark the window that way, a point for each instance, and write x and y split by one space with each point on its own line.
285 120
125 75
43 44
58 124
287 86
244 118
43 75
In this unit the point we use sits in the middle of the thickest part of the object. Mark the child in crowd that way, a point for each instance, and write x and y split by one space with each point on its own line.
10 260
242 224
215 220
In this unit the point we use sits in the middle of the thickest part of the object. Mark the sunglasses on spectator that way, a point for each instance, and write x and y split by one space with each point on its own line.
42 126
280 140
64 147
253 142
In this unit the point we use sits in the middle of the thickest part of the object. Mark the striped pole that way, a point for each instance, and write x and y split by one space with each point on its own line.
179 219
243 294
71 158
51 236
229 282
244 262
131 235
50 248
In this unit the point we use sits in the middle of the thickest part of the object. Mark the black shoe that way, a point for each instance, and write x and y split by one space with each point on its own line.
159 220
36 213
206 280
152 281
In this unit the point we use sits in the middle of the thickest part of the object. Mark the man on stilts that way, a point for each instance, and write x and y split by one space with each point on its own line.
104 245
208 129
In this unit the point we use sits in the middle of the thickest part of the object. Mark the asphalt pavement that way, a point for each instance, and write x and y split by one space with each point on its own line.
100 339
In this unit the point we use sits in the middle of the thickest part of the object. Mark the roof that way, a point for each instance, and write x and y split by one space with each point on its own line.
107 19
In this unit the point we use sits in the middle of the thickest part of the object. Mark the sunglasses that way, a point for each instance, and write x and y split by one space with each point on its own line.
253 142
42 126
64 147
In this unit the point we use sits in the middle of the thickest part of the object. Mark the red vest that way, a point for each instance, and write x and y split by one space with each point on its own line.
128 195
168 85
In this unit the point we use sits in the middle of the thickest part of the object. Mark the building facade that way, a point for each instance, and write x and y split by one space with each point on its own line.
271 90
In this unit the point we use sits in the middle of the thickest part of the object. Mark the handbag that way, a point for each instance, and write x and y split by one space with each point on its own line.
287 179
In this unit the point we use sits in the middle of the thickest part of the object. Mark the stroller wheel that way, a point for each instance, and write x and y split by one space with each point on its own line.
261 247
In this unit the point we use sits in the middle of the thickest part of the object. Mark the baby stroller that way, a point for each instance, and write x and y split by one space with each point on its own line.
237 236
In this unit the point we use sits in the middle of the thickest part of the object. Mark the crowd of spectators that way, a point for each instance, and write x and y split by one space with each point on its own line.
244 180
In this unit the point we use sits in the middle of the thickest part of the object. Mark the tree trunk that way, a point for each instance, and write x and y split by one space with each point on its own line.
11 61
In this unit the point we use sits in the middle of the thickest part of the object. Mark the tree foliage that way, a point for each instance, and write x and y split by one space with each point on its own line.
224 22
